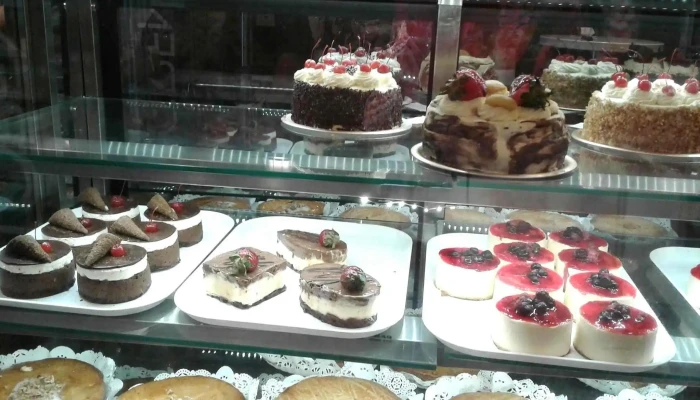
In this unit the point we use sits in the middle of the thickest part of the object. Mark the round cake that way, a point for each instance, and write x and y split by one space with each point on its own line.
466 273
53 378
478 125
159 239
184 387
530 278
185 217
573 81
108 210
515 231
601 285
336 388
575 261
518 252
574 238
65 227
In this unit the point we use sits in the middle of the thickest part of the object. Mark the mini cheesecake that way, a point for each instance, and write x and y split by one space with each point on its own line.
110 272
576 261
302 249
65 227
613 332
515 231
532 324
529 278
159 239
29 270
466 273
244 277
597 286
95 206
338 295
693 293
519 252
185 217
574 238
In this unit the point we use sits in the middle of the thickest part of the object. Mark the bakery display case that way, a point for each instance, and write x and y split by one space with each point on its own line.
418 199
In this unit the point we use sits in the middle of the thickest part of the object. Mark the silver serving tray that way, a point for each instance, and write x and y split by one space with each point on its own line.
633 154
569 166
308 131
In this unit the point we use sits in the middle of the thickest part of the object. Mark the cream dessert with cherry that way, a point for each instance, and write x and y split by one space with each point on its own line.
527 278
613 332
533 324
574 238
594 286
466 273
693 292
515 231
519 252
576 261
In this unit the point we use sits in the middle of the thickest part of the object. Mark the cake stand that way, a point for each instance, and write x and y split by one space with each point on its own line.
318 133
633 154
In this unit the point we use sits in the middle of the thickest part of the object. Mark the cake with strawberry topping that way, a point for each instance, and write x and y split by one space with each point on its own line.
693 291
346 96
573 81
532 324
601 285
530 278
159 239
185 217
479 125
644 115
302 249
466 273
107 209
574 237
65 227
515 230
244 277
576 261
517 252
614 332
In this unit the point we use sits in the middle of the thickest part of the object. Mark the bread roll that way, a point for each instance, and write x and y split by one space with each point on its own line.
547 221
292 207
53 378
185 387
378 216
467 217
336 388
628 226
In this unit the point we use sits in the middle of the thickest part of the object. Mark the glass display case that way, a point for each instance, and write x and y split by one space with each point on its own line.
187 186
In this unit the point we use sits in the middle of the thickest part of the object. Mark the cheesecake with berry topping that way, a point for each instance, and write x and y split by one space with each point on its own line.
693 291
466 273
31 270
110 272
644 115
527 278
573 81
95 206
302 249
575 261
244 277
574 238
159 239
342 296
518 252
65 227
185 217
346 96
593 286
532 324
515 231
477 125
614 332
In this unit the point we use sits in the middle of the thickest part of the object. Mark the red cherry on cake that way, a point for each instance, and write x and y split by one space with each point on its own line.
692 87
46 246
644 85
381 55
320 66
365 68
384 69
117 201
117 251
177 206
343 49
329 61
642 77
332 50
665 75
309 64
375 64
669 91
87 223
618 74
350 61
339 69
151 227
360 53
689 80
621 82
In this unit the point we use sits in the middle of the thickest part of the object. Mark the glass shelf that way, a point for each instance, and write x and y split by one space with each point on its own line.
54 141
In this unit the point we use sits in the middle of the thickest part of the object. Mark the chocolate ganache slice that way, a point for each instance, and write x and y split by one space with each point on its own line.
303 249
338 295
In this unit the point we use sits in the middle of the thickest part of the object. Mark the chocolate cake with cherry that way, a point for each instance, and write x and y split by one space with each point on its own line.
515 231
466 273
110 272
527 278
601 285
185 217
338 295
159 239
108 210
518 252
65 227
30 270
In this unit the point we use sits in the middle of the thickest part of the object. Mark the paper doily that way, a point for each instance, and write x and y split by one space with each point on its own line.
447 387
104 364
385 376
125 372
245 383
615 387
405 210
302 366
629 394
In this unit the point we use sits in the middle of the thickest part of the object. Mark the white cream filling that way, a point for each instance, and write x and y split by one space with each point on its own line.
115 274
157 245
464 283
531 338
297 262
37 269
131 213
339 308
78 241
180 224
598 344
693 292
215 285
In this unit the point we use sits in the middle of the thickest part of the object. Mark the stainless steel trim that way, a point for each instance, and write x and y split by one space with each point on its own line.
444 62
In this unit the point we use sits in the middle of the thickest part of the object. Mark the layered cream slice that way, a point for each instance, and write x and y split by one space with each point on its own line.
576 261
532 324
515 231
518 252
597 286
302 249
693 293
466 273
574 238
529 278
614 332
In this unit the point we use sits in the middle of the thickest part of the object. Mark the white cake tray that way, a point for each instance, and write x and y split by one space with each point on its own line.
384 253
441 315
675 263
308 131
164 283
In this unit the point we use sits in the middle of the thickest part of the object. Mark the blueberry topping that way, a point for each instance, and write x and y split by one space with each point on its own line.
540 304
589 256
488 256
615 312
535 266
573 233
603 280
536 273
581 254
518 226
473 256
524 251
474 250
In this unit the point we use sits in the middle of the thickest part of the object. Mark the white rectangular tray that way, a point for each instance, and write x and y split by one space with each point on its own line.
675 263
384 253
164 283
452 320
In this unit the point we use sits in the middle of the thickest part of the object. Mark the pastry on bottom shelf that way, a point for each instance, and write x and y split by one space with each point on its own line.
184 387
336 388
613 332
340 296
110 272
601 285
52 378
467 217
306 207
527 278
108 210
159 239
378 216
466 273
244 277
29 270
533 325
518 252
548 221
185 217
628 226
693 292
303 249
515 231
65 227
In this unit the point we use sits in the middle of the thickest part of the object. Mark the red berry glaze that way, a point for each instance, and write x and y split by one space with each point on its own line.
669 91
177 206
644 85
581 282
375 64
621 82
117 201
592 261
86 222
309 64
692 87
665 75
456 256
517 275
365 68
384 69
509 253
583 241
639 323
339 69
46 246
557 316
151 227
117 251
531 235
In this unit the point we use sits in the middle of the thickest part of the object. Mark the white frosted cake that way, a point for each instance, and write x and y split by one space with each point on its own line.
466 273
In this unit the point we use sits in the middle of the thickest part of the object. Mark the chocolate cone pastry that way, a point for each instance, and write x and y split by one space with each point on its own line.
160 206
92 197
126 226
26 247
64 218
101 247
